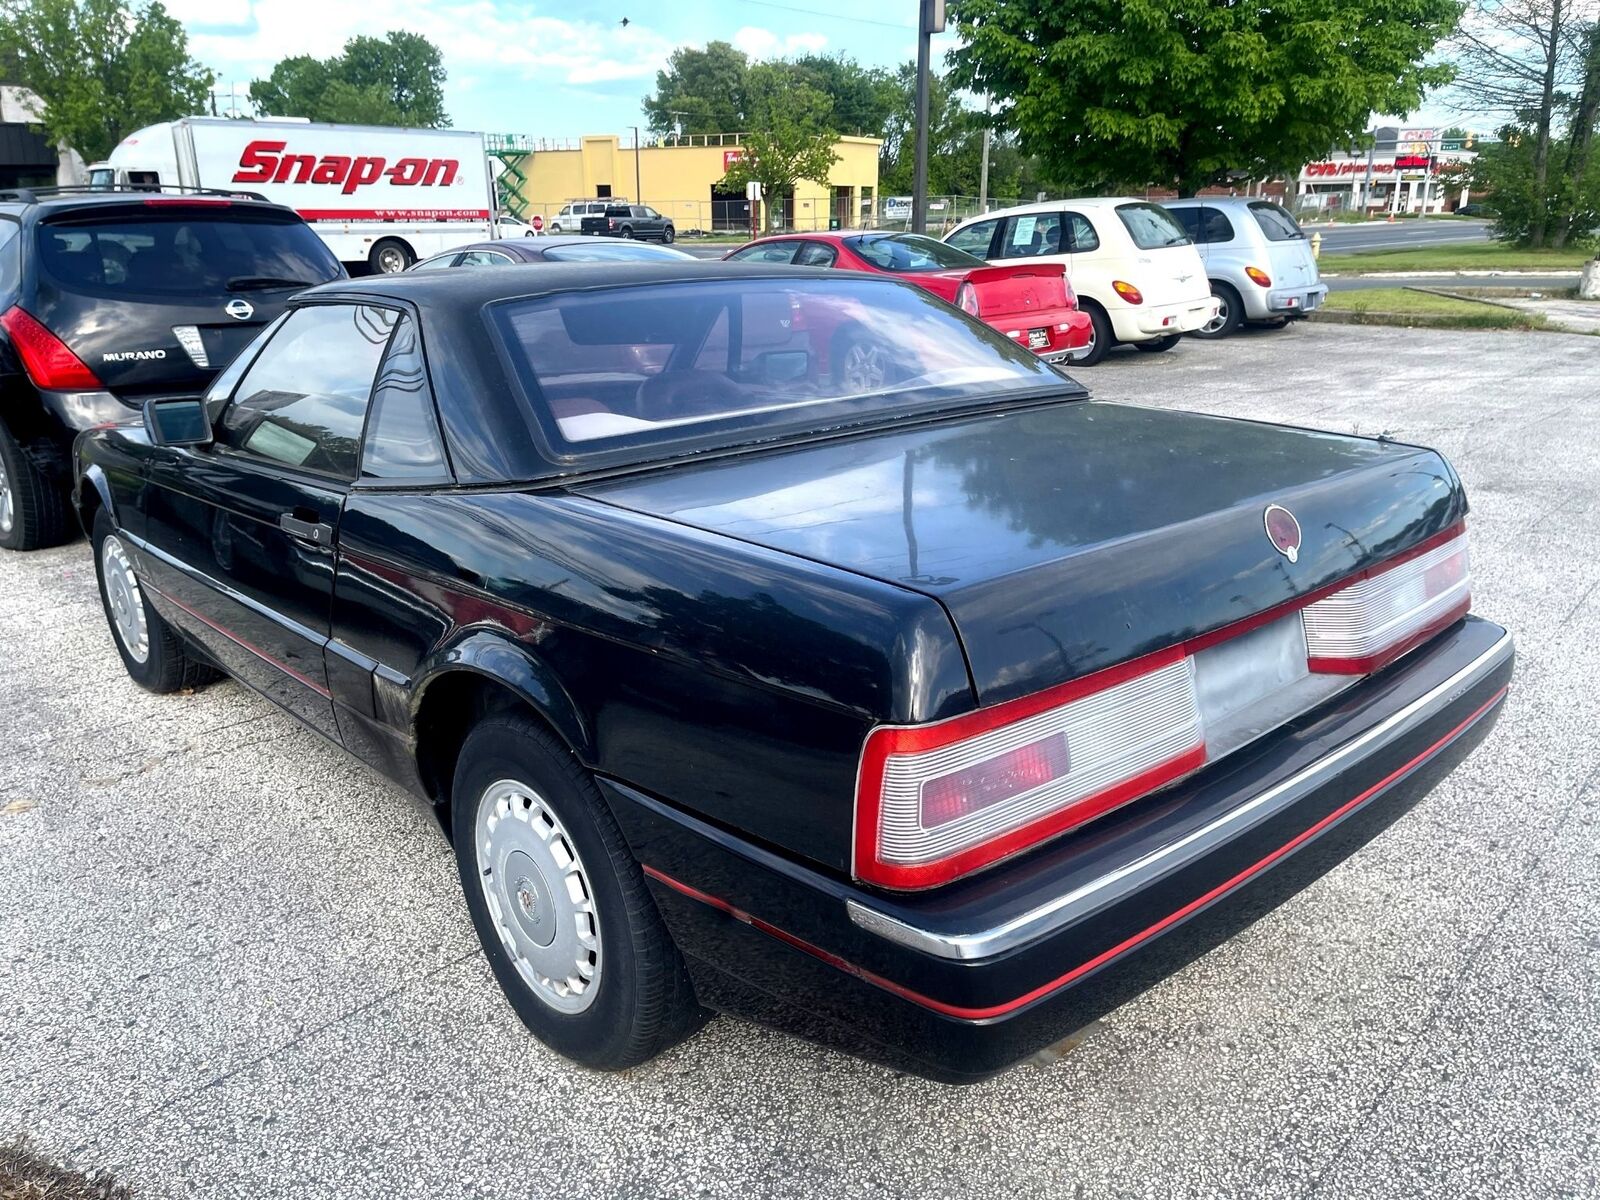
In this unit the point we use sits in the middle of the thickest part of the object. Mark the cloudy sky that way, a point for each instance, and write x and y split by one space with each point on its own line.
545 69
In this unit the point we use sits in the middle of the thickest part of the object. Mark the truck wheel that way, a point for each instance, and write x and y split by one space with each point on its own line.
154 655
560 904
1160 345
668 234
33 507
1101 337
1230 312
627 232
390 257
555 227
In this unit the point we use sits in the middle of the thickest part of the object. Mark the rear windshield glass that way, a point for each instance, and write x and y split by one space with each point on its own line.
1151 226
185 255
723 359
598 251
1275 222
911 252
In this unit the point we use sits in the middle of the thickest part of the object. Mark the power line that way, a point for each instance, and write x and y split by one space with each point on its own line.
815 12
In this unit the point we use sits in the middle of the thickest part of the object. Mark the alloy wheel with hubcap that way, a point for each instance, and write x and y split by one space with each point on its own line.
538 895
124 599
863 367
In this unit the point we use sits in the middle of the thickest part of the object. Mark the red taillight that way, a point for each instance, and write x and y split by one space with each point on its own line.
46 358
967 299
1127 291
936 802
1072 296
1258 277
611 224
1369 623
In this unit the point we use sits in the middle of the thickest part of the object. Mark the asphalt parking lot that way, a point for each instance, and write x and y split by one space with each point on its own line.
236 963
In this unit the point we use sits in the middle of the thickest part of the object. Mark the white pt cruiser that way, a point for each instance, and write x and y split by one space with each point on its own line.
1136 272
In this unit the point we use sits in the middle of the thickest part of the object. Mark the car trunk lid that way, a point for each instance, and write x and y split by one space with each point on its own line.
1066 538
1018 291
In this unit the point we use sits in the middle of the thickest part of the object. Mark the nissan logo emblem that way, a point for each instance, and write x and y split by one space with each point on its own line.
239 310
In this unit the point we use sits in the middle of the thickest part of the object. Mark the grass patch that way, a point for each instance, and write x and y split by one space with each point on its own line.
26 1174
1471 256
1402 306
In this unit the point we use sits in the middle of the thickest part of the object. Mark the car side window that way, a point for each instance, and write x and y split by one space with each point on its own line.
1081 236
767 252
1214 227
482 258
651 213
1032 235
402 439
303 402
974 239
437 262
1189 218
815 254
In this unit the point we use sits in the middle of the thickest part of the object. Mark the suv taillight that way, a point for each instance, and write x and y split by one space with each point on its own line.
937 802
49 362
967 299
1369 623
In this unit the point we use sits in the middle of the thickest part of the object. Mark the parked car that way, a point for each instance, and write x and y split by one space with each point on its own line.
923 721
1473 209
1030 303
570 218
567 248
630 221
108 297
507 226
1257 258
1133 267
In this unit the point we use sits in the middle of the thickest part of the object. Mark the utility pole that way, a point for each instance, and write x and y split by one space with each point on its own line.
929 22
983 171
638 188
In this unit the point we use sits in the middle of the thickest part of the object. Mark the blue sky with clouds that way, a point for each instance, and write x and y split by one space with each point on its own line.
545 69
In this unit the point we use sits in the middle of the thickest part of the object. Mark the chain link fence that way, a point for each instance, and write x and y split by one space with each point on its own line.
731 217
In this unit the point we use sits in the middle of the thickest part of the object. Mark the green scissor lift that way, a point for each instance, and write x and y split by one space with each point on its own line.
511 149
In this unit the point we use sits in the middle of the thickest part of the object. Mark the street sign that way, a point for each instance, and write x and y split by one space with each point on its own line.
537 223
752 192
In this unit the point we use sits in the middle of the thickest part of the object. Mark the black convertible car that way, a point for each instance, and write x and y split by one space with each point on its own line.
789 644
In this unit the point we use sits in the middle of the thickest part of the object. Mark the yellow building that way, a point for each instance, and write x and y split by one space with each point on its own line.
678 177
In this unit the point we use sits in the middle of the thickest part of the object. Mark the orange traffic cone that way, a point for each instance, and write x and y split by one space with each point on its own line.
1391 216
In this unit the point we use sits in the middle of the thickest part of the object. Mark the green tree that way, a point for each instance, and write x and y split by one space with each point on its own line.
1110 93
101 67
791 138
701 91
395 80
862 96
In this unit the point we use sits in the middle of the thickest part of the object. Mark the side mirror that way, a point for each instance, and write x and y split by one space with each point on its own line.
177 422
782 366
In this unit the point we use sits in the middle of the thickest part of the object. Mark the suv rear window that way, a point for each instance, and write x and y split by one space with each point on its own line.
1151 226
192 254
1275 222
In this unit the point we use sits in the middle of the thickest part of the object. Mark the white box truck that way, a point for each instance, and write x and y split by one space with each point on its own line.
380 197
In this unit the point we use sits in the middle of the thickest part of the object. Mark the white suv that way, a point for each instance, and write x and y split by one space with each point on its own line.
570 218
1136 272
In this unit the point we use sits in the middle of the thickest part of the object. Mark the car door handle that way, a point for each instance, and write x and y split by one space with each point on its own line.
315 532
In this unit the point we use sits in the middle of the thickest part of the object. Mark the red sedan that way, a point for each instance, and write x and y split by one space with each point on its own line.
1031 304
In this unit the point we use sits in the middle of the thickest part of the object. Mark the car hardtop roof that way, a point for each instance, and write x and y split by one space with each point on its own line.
1043 206
458 289
1220 201
837 235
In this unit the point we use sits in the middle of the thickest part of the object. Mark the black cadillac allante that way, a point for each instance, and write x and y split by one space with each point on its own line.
790 644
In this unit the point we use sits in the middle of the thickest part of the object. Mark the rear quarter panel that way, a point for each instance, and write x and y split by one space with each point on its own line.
734 681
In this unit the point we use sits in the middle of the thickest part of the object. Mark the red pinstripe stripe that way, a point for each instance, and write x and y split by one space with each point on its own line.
242 643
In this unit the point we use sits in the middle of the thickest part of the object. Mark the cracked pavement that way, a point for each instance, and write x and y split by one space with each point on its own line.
236 962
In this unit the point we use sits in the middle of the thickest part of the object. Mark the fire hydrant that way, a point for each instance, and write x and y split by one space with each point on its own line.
1316 244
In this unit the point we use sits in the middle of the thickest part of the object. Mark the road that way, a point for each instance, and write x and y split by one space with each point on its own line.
1402 235
237 964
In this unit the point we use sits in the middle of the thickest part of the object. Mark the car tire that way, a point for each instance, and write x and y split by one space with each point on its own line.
390 257
522 809
668 235
627 232
555 228
156 658
1160 345
1101 335
1229 315
34 512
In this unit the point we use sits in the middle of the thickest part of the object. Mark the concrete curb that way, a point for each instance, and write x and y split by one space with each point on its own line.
1487 273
